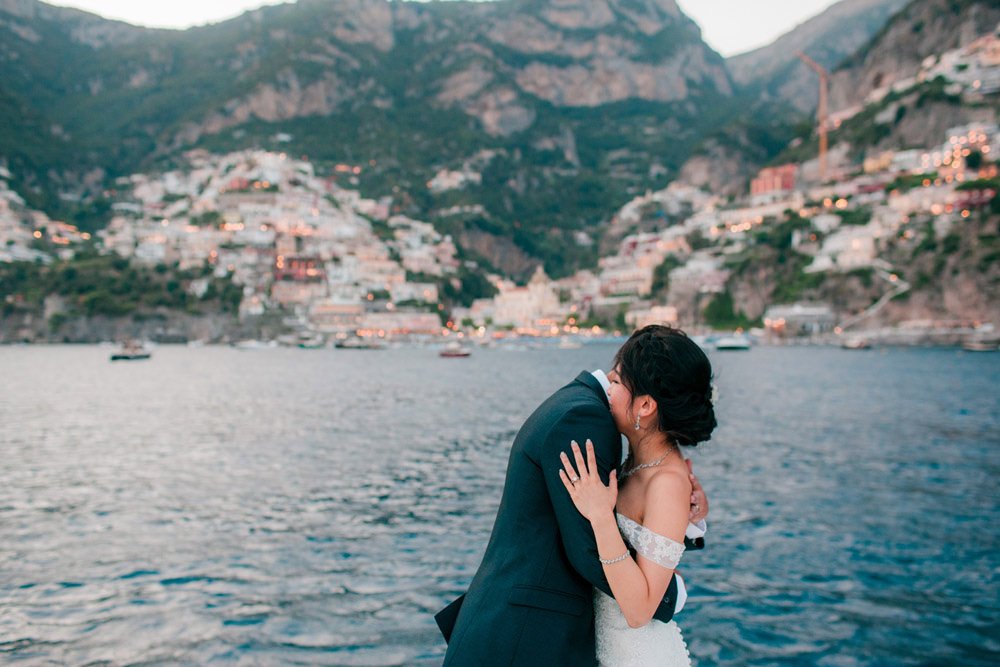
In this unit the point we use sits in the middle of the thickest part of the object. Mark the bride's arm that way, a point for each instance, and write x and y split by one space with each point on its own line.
638 584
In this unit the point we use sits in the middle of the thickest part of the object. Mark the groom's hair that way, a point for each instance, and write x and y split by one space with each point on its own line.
671 368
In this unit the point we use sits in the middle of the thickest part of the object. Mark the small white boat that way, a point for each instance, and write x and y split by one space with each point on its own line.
359 343
455 351
254 344
734 342
856 343
981 346
131 351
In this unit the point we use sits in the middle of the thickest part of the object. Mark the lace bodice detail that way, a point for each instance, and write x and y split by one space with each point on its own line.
657 548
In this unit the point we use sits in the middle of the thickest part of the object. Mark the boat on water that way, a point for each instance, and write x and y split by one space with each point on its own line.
131 351
359 343
455 351
856 344
251 344
981 345
734 342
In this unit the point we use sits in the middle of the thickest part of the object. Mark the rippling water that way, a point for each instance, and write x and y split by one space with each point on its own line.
316 507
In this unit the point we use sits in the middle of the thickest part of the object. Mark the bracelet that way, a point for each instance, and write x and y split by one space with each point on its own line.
612 561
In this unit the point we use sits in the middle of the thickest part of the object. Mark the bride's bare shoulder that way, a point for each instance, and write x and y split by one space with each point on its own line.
668 490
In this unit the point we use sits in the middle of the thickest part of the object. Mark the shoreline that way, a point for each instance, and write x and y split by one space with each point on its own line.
881 338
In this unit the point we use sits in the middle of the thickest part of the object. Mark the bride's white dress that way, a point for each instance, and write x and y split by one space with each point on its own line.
654 644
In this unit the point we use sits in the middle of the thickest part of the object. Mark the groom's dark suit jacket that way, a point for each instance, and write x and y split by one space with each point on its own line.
531 601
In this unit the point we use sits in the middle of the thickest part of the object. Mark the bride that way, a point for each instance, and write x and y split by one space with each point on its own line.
660 397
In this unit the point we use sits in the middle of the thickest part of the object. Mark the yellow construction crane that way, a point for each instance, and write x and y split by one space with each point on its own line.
821 110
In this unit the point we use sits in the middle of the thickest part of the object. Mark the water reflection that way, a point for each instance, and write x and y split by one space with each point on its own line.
316 507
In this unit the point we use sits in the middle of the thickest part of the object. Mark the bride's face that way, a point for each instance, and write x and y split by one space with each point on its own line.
620 400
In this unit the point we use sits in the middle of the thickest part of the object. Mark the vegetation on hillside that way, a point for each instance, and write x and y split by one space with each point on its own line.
92 285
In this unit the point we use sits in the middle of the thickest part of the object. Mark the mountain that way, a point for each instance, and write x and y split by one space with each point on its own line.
578 104
775 72
777 91
915 79
925 28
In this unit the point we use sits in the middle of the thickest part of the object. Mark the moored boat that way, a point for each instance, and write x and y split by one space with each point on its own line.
455 351
251 344
131 351
359 343
981 346
734 342
856 343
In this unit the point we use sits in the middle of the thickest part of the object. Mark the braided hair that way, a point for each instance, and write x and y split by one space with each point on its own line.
671 368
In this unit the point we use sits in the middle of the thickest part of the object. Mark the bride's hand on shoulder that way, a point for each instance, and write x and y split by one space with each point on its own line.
592 498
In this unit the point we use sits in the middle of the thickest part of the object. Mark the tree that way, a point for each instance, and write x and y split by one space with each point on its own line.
974 160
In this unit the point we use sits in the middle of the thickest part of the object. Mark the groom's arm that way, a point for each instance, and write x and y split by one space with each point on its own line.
579 543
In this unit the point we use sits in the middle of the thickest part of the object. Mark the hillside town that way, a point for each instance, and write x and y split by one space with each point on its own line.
336 265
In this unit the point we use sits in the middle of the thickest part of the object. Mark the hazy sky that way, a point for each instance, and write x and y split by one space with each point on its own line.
729 26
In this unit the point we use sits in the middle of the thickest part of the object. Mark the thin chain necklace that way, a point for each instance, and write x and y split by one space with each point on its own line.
641 466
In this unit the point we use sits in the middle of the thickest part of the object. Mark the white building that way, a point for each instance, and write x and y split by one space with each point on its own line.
532 306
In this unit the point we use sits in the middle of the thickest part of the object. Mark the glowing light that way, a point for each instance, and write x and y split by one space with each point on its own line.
37 234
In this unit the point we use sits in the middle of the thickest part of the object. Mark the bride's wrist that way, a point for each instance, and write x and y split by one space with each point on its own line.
602 519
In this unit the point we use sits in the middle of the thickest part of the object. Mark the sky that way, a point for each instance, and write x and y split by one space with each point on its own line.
729 26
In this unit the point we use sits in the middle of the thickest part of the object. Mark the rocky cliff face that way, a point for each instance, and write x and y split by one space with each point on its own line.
591 100
496 61
924 28
775 72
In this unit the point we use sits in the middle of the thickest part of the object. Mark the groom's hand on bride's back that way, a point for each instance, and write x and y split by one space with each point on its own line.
699 501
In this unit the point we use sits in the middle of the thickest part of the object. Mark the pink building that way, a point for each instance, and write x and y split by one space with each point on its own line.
774 181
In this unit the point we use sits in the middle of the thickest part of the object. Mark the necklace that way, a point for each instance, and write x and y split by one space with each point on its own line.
651 464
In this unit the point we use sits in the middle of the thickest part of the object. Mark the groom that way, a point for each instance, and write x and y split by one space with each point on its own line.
531 601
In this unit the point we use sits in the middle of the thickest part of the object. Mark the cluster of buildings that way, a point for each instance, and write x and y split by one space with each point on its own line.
22 228
972 72
344 265
849 219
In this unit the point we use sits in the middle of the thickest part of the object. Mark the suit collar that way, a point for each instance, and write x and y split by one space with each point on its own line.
588 379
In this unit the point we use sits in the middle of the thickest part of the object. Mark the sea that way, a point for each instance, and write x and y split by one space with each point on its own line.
317 507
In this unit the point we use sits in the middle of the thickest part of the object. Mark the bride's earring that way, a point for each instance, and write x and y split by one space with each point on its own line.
637 425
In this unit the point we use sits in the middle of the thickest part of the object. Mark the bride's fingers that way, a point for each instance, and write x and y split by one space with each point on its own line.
567 466
581 465
565 480
591 457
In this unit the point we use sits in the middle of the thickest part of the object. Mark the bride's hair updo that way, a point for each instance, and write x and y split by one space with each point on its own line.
671 368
